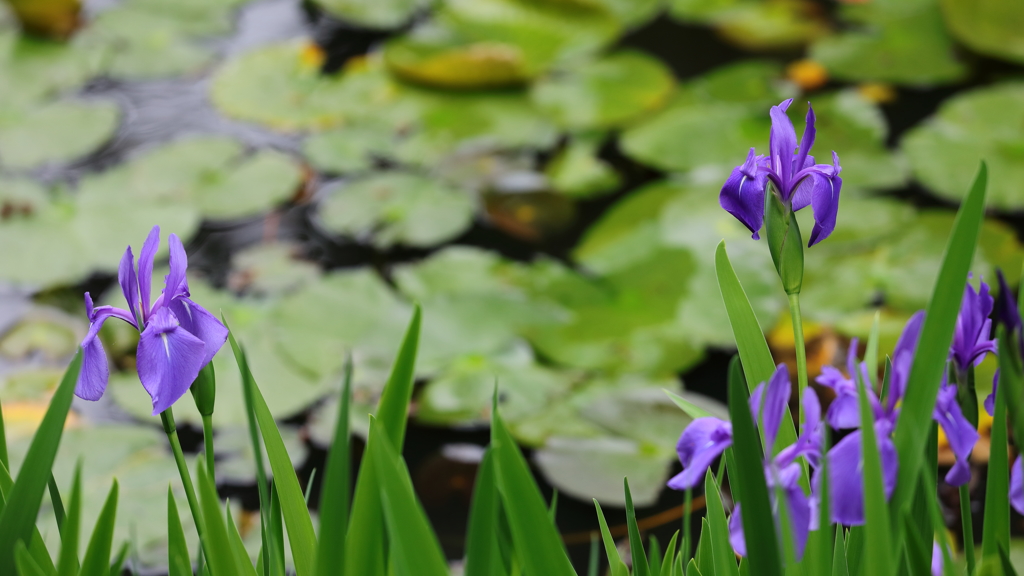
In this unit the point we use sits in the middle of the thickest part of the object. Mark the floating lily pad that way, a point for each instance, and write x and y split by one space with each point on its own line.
383 14
756 24
270 269
899 41
440 58
45 332
991 28
587 468
55 132
606 92
984 124
213 174
395 208
546 32
350 148
633 13
236 461
33 68
577 171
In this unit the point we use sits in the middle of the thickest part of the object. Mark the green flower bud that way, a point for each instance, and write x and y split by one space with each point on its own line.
785 243
204 390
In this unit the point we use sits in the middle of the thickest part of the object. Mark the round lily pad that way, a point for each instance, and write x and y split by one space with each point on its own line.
577 171
756 24
270 269
606 92
56 132
440 58
397 208
46 332
946 150
33 68
901 42
383 14
349 149
212 174
991 28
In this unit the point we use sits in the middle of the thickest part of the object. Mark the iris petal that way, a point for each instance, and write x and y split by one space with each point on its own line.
703 440
129 282
197 321
146 257
742 195
169 359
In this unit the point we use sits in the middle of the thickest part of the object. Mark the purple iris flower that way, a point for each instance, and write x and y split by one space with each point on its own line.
783 472
844 412
961 434
971 339
1017 486
990 400
794 176
177 336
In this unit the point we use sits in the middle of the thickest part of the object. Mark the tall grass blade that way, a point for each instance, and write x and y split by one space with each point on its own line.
97 554
753 348
57 502
17 521
67 561
878 551
855 549
177 547
917 549
483 557
654 555
238 547
839 555
933 346
537 543
636 544
26 564
691 409
692 570
725 558
995 531
223 562
36 547
705 549
334 491
393 410
118 563
1004 561
415 550
616 567
752 493
668 559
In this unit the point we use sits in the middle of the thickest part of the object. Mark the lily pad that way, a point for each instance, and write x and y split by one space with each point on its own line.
899 41
607 92
991 28
984 124
578 172
213 174
270 269
236 461
56 132
45 332
756 24
397 208
587 468
349 149
440 58
33 68
382 14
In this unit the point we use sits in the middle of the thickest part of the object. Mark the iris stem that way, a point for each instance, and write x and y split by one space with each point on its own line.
208 442
798 343
167 418
687 505
968 522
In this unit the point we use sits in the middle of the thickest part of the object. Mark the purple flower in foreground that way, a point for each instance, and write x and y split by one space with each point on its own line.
971 340
797 180
783 472
177 336
844 412
961 434
990 400
1017 486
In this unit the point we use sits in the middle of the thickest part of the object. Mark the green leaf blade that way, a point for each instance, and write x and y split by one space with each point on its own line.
97 554
334 494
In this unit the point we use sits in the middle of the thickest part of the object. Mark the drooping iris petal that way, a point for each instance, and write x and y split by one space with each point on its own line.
94 373
846 477
197 321
1017 486
903 358
129 283
990 400
169 359
146 257
742 194
775 399
825 201
702 441
961 435
799 507
971 339
736 538
810 441
782 146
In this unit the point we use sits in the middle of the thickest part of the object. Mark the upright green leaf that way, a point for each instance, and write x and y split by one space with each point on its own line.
839 555
996 528
933 345
334 491
392 412
753 348
725 558
691 569
67 562
25 562
616 567
1004 560
223 562
705 549
636 545
97 554
537 543
763 551
483 557
17 521
118 563
668 559
855 549
177 547
275 533
917 550
879 558
415 550
238 547
36 546
57 502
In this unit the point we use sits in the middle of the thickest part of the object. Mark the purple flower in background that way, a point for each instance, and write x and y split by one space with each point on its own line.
783 472
990 400
844 412
177 336
971 339
703 440
1017 486
961 434
797 180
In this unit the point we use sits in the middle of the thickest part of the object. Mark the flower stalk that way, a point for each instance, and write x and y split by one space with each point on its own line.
171 429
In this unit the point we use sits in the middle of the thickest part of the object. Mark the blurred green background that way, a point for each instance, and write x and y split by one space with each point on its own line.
541 175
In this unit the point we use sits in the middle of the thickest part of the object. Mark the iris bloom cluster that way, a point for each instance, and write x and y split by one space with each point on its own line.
177 337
